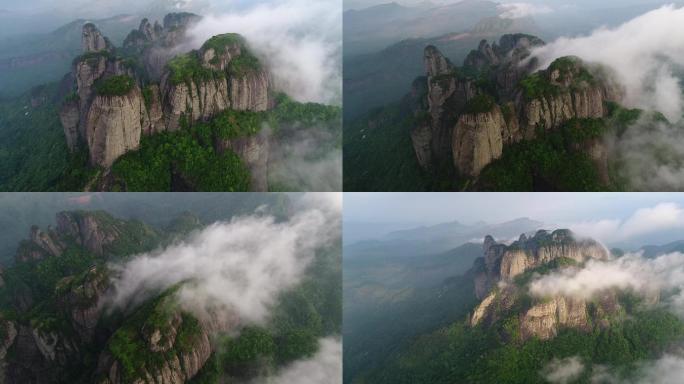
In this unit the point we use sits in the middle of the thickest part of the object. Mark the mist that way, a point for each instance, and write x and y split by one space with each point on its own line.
308 160
644 55
563 371
237 268
323 367
299 40
646 277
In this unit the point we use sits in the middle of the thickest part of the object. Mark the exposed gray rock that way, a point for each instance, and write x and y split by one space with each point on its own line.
253 150
113 126
93 41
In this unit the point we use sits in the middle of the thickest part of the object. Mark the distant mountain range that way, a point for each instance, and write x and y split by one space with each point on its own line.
378 78
34 59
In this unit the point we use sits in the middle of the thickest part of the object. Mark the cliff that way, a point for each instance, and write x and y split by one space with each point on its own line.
504 262
121 94
57 328
501 278
496 99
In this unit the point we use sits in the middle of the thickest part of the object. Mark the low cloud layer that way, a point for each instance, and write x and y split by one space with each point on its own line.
650 155
563 371
661 217
629 272
307 160
325 367
668 369
238 267
645 54
300 40
520 10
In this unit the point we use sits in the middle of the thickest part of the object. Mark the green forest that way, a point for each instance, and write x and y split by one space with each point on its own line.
34 155
303 314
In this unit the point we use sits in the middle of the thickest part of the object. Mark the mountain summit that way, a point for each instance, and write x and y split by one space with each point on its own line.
115 99
467 115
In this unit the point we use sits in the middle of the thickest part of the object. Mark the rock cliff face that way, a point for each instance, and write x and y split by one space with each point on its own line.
87 229
114 125
478 140
111 124
40 351
458 127
93 41
253 150
502 297
179 366
504 262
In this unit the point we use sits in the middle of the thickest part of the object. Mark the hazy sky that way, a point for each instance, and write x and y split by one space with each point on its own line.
498 207
554 4
619 219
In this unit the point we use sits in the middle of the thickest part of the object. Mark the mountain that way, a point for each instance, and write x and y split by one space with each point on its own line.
435 239
496 123
142 117
380 77
33 59
370 29
502 330
652 251
57 326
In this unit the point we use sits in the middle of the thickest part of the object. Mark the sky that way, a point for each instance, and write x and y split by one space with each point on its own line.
612 218
37 16
553 4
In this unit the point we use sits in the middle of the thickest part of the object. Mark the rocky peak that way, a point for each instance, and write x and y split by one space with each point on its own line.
503 262
93 41
511 49
217 52
148 30
469 120
435 62
180 19
504 298
92 230
488 243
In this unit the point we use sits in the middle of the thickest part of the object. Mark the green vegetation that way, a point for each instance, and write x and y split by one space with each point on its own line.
186 68
379 156
72 97
188 159
219 42
536 86
33 152
551 161
304 314
231 124
91 58
115 86
185 159
147 96
244 64
129 346
459 353
481 103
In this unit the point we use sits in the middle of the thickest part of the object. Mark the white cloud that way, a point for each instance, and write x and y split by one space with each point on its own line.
300 40
325 367
297 161
644 54
237 267
668 369
563 371
519 10
663 216
631 272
